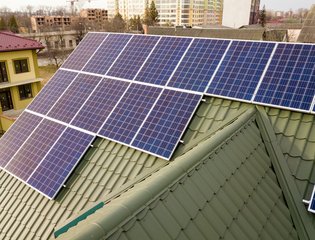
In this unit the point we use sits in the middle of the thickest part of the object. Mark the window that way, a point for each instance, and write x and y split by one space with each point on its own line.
70 43
21 66
25 91
3 72
5 99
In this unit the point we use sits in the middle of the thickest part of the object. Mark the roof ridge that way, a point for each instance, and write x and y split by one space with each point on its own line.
183 164
18 36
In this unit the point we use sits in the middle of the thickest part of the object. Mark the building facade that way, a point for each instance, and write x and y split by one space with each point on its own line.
94 18
19 81
213 14
127 8
44 23
171 12
237 13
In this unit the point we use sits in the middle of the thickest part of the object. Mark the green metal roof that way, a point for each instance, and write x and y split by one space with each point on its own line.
223 188
109 172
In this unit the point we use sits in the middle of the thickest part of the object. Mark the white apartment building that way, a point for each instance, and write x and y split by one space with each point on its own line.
172 12
237 13
127 8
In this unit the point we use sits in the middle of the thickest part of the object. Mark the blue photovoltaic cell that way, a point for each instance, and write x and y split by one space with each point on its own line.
129 114
241 70
84 51
52 91
34 149
95 111
199 64
163 128
133 56
13 139
163 60
60 161
290 78
311 206
107 53
72 100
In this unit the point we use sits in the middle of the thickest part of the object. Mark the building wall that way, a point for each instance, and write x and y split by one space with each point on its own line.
23 103
70 38
214 12
171 12
17 80
9 57
127 8
236 13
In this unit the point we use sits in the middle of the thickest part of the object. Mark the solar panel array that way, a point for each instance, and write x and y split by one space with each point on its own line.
142 91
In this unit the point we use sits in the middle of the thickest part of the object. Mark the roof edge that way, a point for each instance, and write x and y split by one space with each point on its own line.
301 219
119 211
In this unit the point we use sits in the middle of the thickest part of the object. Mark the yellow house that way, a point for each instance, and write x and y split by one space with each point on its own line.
19 82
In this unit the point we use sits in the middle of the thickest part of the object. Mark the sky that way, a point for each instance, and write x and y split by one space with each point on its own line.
270 4
286 4
20 4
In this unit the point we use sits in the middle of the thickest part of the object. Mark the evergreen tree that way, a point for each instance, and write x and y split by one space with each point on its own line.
3 25
151 15
262 17
147 17
154 15
12 25
135 23
119 24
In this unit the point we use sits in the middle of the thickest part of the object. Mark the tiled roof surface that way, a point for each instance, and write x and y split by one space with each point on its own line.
26 214
224 188
11 42
296 136
307 34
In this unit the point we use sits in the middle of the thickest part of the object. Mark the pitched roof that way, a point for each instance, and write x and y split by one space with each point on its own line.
307 34
110 169
12 42
223 188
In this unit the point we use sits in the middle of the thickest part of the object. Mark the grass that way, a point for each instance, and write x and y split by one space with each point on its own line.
46 72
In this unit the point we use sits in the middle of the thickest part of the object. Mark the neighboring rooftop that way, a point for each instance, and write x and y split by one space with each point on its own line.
12 42
307 34
256 33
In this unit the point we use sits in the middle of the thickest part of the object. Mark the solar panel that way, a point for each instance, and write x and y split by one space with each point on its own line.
290 79
311 206
60 162
199 64
95 111
163 60
84 51
52 91
12 140
74 97
129 114
163 128
107 53
149 115
241 70
133 56
34 149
